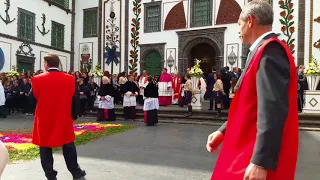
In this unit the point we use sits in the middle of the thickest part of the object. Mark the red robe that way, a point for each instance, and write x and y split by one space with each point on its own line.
240 136
176 87
53 123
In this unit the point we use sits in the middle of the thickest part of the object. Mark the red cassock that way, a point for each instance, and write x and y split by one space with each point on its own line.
176 86
53 123
240 136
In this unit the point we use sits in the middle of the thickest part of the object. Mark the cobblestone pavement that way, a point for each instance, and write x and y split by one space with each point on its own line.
164 152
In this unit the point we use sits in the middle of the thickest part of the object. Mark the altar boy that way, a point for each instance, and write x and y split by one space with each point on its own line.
130 91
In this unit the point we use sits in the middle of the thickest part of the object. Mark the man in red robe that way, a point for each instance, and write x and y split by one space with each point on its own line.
165 88
260 138
53 122
176 85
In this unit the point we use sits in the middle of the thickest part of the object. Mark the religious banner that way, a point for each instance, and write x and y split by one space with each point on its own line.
111 40
86 57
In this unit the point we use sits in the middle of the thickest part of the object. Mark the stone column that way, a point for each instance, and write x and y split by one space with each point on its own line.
219 63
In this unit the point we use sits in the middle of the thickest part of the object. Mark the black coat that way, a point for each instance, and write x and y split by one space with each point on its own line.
151 91
129 86
106 89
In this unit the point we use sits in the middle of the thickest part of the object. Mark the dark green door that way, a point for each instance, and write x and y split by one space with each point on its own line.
25 64
153 64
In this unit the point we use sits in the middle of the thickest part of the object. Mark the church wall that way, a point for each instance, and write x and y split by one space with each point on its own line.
170 37
315 30
281 14
113 24
80 40
10 42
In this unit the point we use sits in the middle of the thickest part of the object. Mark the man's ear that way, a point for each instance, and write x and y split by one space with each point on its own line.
250 21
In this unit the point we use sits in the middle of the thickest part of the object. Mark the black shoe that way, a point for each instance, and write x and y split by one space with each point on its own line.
81 175
52 178
210 109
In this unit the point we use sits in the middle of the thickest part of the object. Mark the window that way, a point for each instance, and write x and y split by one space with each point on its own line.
90 17
201 13
57 35
26 25
152 17
63 3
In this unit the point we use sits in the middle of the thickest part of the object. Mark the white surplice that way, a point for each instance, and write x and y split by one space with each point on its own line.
107 103
143 82
151 104
128 100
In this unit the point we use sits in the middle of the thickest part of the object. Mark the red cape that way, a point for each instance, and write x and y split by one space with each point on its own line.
53 123
176 86
241 129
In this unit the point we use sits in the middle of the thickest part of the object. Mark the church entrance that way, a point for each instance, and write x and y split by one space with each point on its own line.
204 52
153 64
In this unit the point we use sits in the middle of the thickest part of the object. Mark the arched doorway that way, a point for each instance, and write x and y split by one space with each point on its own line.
205 52
153 64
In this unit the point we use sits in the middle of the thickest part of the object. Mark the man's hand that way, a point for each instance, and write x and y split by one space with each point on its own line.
254 172
81 93
214 140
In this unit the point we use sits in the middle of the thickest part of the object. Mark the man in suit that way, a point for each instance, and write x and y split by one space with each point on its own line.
260 138
210 83
301 81
56 111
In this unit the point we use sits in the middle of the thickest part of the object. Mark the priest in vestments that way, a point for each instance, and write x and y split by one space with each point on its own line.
165 88
176 85
130 92
106 101
260 138
143 82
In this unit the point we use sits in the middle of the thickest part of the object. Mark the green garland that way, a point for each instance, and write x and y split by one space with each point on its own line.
133 62
287 23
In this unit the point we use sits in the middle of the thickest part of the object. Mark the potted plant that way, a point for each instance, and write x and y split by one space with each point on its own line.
313 74
97 73
196 73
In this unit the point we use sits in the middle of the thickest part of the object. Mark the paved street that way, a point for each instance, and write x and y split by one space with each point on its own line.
165 152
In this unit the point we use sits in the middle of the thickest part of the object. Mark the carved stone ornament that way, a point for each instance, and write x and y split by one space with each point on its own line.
317 19
190 39
43 32
7 20
25 49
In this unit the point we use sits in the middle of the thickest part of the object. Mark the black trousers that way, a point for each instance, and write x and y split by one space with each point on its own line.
70 156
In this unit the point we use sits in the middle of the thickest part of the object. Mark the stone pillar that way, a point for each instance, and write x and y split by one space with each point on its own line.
219 63
182 65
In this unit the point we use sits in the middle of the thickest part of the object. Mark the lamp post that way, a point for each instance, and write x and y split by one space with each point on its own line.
170 61
232 58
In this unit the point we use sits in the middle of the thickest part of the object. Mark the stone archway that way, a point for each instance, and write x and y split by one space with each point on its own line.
145 49
189 39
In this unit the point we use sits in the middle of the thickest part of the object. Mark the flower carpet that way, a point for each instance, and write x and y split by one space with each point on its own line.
21 148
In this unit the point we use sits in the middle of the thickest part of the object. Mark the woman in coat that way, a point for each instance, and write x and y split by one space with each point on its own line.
82 97
106 101
151 103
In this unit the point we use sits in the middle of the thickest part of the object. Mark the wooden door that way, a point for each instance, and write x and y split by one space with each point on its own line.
153 63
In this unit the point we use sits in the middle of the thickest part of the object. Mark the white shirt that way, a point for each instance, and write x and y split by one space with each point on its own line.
255 44
53 68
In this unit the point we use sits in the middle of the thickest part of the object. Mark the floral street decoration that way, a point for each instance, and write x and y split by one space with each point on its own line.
21 148
287 23
196 71
97 71
111 54
135 24
313 68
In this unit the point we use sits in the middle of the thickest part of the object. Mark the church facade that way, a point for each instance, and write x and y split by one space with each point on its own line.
133 35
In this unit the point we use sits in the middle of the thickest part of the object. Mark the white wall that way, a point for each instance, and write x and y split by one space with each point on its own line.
79 39
10 47
37 7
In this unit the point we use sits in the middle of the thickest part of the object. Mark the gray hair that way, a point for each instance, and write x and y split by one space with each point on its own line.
260 10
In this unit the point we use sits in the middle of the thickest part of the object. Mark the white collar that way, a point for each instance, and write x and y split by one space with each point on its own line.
255 44
53 68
